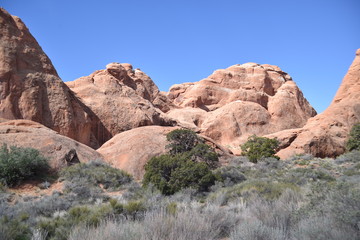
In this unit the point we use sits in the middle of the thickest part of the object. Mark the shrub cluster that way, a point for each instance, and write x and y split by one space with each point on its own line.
19 164
354 140
95 173
257 148
188 164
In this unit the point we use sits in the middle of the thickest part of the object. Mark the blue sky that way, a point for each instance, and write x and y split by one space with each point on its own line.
185 41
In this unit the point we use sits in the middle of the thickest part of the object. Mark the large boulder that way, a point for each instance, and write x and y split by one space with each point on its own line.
122 98
61 151
30 87
131 150
242 100
325 135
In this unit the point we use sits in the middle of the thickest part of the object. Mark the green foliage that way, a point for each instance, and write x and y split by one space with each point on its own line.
188 164
267 190
204 153
173 173
95 173
15 229
19 164
182 140
257 148
354 141
58 228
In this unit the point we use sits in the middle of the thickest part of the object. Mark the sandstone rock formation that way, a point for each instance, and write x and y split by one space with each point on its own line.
325 135
30 87
131 150
59 150
234 103
122 98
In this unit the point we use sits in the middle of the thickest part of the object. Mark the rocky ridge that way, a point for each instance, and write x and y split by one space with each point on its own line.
122 98
325 135
30 87
242 100
121 105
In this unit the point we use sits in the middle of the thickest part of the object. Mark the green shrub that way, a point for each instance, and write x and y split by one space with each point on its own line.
95 173
182 140
204 153
267 189
231 175
19 164
188 164
58 228
257 148
15 229
173 173
354 140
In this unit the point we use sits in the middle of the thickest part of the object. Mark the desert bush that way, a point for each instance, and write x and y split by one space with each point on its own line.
173 173
95 173
301 176
182 140
354 139
15 228
251 189
352 157
19 164
321 228
59 227
190 222
255 230
230 175
188 164
257 148
204 153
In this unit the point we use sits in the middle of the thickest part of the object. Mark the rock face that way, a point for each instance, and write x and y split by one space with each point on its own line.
122 98
131 150
234 103
60 150
30 87
325 135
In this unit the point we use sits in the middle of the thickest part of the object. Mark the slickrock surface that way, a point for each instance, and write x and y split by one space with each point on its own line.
325 135
30 87
60 150
242 100
131 150
122 98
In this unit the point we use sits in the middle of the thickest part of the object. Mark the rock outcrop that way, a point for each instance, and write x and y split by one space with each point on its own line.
122 98
234 103
61 151
30 87
131 150
325 135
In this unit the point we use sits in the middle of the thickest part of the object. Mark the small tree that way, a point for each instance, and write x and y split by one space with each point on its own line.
182 140
354 141
188 164
18 164
257 148
173 173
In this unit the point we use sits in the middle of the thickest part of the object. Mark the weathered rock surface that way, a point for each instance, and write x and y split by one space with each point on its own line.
59 150
122 98
30 87
325 135
234 103
131 150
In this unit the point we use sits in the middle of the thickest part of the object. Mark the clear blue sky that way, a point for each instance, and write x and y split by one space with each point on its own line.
184 41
